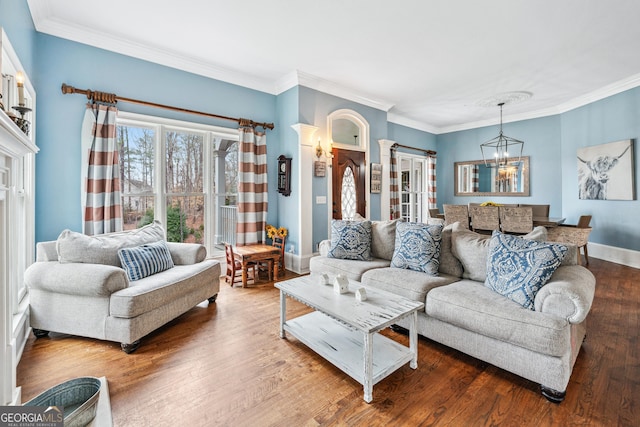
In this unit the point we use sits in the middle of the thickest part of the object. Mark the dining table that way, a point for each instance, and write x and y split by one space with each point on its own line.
547 221
255 253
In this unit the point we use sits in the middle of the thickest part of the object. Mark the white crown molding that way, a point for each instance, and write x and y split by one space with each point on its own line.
604 92
410 123
300 78
597 95
44 23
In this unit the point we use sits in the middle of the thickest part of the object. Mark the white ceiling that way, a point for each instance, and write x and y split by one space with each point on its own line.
427 62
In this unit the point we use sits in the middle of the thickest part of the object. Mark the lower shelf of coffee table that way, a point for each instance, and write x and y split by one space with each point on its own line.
344 346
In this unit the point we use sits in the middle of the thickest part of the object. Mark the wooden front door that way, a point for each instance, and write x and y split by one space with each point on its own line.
348 182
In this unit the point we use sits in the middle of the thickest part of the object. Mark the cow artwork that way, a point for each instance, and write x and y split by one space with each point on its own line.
605 172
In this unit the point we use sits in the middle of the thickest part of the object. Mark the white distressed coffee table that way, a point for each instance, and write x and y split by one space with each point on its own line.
345 331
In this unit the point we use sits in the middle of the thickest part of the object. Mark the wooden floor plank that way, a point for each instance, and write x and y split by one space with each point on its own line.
225 364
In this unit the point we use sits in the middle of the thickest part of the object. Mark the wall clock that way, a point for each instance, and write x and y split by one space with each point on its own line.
284 175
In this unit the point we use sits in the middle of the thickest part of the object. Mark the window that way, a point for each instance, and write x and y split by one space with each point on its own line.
413 188
183 174
348 195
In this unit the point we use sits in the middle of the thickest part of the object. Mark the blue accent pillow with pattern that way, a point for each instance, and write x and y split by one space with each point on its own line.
145 260
350 240
417 247
517 268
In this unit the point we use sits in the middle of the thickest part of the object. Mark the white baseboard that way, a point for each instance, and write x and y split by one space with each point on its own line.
296 263
622 256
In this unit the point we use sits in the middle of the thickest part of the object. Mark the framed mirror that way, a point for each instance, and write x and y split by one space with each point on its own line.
473 178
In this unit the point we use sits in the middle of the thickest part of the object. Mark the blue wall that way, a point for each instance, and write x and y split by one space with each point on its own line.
15 19
615 118
412 137
542 142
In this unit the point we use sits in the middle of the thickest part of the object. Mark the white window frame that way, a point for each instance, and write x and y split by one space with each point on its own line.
417 199
161 126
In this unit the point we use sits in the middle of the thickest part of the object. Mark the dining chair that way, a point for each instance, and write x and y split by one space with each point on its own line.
538 210
516 220
234 268
279 242
456 213
484 218
577 234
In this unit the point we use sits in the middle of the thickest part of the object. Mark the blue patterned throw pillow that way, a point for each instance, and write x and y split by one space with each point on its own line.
145 260
350 240
417 247
517 268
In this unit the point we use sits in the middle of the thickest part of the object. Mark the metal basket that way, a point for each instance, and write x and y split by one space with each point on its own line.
77 397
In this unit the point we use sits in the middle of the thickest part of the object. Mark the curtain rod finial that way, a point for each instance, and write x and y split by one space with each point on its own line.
66 89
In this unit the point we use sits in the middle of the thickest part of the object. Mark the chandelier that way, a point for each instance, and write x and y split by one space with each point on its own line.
501 150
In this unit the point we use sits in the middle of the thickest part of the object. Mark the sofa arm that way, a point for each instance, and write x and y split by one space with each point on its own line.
568 294
324 247
187 253
75 278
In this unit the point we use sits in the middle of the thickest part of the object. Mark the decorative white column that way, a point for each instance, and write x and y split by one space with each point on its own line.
305 200
385 160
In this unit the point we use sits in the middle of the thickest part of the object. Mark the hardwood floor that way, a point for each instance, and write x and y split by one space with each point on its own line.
226 365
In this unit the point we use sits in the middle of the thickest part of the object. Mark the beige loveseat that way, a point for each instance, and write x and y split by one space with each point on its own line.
77 286
539 344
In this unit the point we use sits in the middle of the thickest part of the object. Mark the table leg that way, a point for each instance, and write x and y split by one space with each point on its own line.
413 339
283 313
368 367
275 267
244 274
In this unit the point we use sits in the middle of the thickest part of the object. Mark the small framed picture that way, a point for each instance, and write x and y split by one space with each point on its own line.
376 177
319 168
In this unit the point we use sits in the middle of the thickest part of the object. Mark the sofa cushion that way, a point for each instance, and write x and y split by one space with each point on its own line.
449 264
103 248
145 260
472 306
160 290
383 238
517 268
350 240
417 247
351 268
408 283
472 249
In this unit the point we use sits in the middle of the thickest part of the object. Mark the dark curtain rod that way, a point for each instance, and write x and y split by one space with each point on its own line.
428 152
113 98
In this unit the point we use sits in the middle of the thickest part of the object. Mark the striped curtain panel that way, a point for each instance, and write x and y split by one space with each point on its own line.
252 187
394 192
101 202
431 182
475 179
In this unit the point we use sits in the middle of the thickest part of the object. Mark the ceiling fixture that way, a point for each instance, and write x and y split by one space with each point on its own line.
502 150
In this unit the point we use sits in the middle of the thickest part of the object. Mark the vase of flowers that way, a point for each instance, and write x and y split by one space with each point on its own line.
276 232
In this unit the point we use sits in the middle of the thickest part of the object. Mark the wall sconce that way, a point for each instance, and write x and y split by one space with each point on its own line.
320 151
320 166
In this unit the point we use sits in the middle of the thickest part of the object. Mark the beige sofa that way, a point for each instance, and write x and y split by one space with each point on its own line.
77 286
540 345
